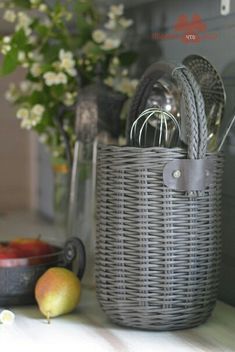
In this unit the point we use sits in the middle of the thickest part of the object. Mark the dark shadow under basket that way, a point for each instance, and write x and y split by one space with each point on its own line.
158 249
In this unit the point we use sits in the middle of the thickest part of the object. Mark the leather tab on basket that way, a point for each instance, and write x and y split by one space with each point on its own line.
188 174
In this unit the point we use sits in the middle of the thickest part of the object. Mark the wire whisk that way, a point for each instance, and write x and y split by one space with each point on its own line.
155 127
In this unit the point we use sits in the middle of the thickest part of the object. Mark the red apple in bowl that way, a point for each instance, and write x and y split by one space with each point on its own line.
31 247
36 250
10 257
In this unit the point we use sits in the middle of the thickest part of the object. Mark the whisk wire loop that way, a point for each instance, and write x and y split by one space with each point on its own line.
153 116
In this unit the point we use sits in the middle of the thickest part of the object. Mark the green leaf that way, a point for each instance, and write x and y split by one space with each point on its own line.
93 49
22 3
36 98
82 6
57 91
85 30
19 40
42 30
10 62
51 51
85 20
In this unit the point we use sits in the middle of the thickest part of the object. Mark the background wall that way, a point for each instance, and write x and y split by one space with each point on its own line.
19 166
15 154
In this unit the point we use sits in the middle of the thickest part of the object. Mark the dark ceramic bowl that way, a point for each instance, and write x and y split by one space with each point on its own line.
18 277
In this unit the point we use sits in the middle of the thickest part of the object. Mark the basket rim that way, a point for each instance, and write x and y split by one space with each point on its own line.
141 149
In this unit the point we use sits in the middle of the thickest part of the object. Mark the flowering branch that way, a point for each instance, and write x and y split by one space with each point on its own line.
58 62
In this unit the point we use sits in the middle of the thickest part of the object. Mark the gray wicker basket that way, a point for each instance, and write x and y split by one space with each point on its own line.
158 239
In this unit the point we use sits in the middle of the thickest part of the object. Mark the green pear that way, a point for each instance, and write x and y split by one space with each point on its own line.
57 292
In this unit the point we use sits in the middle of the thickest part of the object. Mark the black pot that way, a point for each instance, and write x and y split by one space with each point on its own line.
17 283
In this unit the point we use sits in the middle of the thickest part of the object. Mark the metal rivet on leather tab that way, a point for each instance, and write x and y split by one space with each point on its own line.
176 174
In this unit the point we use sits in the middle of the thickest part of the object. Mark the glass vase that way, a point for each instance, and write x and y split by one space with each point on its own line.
61 194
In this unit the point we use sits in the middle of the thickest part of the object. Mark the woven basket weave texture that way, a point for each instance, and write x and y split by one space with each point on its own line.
158 250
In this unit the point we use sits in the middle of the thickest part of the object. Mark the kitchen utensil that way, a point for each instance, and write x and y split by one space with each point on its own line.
157 89
159 120
181 80
213 92
225 133
19 276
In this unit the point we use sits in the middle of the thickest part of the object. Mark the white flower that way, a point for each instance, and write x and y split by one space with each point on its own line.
12 93
24 21
116 10
21 56
25 64
36 69
67 62
30 122
37 86
9 16
35 56
25 86
43 138
61 78
7 317
115 61
32 39
5 49
35 3
56 65
125 23
38 110
43 7
31 55
89 68
52 78
65 55
110 44
6 39
5 46
124 72
72 72
99 36
127 86
30 118
109 81
46 22
113 70
111 24
69 98
56 153
22 113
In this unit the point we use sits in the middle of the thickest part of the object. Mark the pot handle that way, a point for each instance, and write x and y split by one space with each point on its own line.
74 250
